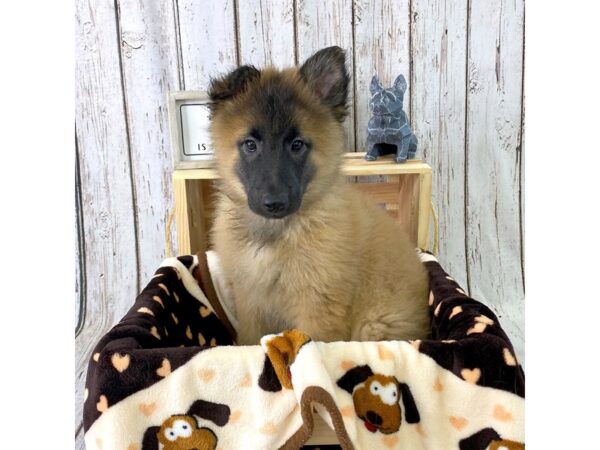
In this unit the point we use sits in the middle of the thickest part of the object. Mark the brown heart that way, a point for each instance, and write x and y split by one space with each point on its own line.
235 416
120 362
438 386
206 374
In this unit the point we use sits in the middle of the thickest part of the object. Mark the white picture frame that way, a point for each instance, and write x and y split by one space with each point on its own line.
188 114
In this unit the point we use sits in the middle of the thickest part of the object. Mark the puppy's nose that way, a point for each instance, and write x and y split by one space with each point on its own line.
275 203
374 418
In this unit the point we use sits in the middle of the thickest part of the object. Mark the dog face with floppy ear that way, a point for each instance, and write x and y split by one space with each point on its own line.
277 135
377 398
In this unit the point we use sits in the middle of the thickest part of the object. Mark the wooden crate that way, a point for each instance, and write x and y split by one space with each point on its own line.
404 190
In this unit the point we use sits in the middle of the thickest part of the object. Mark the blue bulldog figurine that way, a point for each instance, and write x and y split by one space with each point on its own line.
388 129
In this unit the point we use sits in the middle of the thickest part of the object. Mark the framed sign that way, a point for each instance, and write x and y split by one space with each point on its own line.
188 123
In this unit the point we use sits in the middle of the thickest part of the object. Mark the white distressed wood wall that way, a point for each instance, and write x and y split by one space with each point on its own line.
464 63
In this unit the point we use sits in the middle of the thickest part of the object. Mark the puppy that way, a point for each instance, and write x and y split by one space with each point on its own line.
300 247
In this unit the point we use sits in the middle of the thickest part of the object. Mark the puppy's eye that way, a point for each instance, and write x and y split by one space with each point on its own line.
297 145
250 145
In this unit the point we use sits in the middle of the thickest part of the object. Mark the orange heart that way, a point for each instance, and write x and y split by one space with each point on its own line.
438 386
509 359
384 353
99 443
420 430
471 375
176 296
188 333
502 414
205 312
96 356
157 299
201 339
268 428
484 319
147 408
347 365
247 381
164 369
458 422
145 310
206 374
347 411
431 299
175 319
456 310
235 416
154 332
164 288
477 328
121 363
391 441
213 342
133 447
102 405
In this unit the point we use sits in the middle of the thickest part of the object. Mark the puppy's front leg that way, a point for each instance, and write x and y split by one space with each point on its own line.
250 326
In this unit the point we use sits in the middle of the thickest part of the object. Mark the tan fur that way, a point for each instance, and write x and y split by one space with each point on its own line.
339 268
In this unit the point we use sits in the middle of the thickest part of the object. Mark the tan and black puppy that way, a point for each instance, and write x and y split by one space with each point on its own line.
300 247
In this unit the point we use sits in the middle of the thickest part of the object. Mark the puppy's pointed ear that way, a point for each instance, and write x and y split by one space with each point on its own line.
326 75
410 407
231 85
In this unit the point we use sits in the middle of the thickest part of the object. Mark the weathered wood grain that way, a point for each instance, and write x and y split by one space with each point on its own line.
266 32
207 32
439 58
150 69
381 46
495 63
323 24
106 196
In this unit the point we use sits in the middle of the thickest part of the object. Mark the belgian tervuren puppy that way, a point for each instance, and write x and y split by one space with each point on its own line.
299 246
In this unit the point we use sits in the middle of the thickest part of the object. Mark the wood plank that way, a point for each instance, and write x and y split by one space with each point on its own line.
495 62
150 69
439 59
207 33
266 33
107 203
351 167
323 24
381 46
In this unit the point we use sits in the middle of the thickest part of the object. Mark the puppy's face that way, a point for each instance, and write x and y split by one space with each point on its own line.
377 403
277 134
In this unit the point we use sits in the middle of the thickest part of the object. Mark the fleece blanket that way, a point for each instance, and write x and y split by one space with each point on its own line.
168 376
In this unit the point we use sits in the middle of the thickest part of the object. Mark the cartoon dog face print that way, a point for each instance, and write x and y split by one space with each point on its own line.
182 432
376 399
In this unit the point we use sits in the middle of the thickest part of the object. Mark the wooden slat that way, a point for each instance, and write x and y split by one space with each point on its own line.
351 167
207 32
439 45
381 46
266 32
495 61
323 24
149 64
107 203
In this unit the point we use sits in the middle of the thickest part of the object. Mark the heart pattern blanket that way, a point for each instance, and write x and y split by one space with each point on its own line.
168 376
